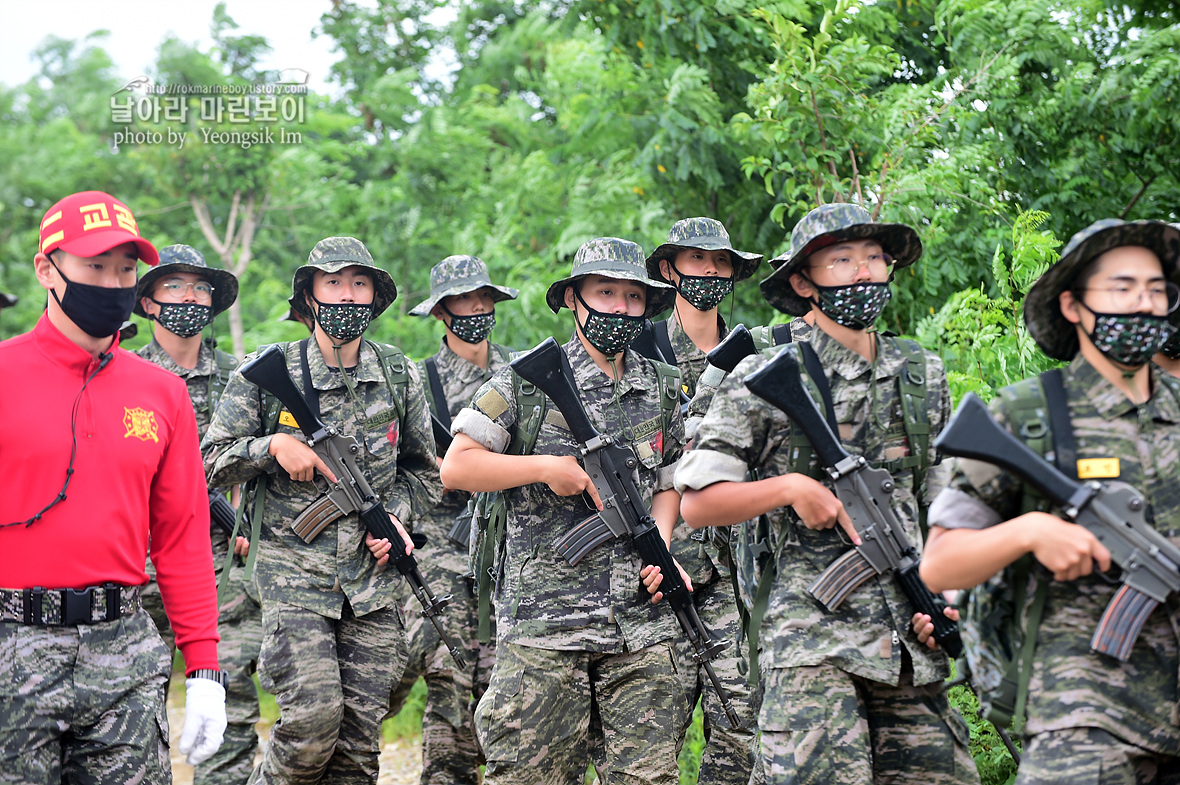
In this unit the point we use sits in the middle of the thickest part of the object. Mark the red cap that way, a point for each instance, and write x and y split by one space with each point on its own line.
89 223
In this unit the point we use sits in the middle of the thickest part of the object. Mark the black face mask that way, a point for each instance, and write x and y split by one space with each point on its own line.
99 311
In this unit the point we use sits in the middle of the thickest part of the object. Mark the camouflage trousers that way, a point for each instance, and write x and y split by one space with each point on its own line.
239 622
534 722
450 753
84 704
1089 756
822 726
730 754
331 678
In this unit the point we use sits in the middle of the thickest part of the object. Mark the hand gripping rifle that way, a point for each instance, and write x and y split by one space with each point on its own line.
866 495
613 468
1113 512
351 493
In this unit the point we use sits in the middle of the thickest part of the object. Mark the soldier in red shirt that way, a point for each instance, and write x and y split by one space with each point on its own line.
99 454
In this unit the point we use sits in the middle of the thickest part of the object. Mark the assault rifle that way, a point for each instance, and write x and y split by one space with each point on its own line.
1111 511
866 495
221 512
351 493
737 346
613 468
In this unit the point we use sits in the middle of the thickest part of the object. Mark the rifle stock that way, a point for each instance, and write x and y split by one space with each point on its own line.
866 494
737 346
1113 512
610 467
222 513
351 492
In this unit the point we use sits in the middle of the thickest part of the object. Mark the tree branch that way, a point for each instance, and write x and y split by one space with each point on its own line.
1131 204
202 214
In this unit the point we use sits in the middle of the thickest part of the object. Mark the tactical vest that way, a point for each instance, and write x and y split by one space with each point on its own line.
489 523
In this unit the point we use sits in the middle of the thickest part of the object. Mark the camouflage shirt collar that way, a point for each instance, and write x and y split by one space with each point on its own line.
368 368
452 366
588 376
1111 402
206 361
850 365
683 346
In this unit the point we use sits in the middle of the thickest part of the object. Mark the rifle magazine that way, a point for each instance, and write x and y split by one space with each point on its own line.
840 579
1121 622
583 538
315 518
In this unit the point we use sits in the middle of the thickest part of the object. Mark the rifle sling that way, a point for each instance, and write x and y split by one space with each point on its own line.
816 371
310 393
441 410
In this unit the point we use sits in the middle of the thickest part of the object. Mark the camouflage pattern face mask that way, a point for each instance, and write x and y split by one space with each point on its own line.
1171 349
856 305
344 321
1129 339
473 328
183 319
703 292
609 333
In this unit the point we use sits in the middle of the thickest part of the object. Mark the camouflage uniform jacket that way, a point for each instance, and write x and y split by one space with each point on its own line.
1071 686
741 432
200 381
541 601
460 379
397 458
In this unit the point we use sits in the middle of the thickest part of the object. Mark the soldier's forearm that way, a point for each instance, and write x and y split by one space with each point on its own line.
665 509
727 503
963 558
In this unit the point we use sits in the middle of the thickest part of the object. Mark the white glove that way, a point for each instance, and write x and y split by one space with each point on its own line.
204 719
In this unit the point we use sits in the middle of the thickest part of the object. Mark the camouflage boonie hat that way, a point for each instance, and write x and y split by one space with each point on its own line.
458 275
613 258
186 259
826 225
1056 335
706 234
8 300
333 254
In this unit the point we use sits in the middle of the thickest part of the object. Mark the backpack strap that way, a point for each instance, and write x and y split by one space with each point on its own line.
1065 451
669 378
436 399
397 376
663 336
781 333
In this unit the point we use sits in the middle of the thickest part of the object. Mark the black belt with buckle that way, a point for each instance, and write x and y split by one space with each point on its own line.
68 607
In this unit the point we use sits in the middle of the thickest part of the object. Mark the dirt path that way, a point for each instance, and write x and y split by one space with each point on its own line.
401 760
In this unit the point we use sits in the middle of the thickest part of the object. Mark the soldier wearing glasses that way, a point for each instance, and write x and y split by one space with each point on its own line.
181 297
1103 308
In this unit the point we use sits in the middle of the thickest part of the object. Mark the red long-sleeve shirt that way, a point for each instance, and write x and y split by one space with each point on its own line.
137 477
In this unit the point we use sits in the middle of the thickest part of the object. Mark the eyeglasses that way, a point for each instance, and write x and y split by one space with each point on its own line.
1126 298
202 290
844 270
